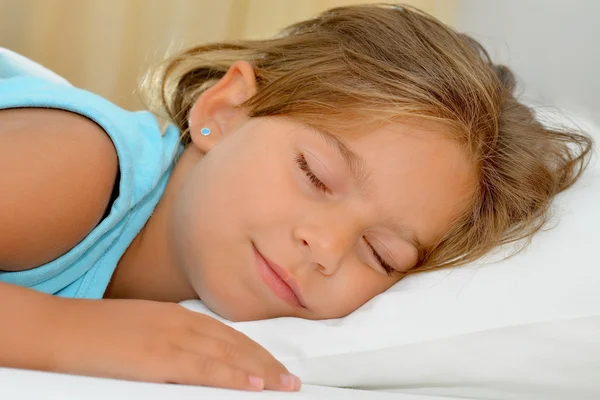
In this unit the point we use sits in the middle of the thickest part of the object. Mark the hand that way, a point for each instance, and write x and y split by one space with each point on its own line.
160 342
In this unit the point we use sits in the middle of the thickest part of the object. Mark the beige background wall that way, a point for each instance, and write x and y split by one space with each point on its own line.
105 45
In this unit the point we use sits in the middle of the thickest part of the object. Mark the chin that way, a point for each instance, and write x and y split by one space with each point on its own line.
235 310
231 314
237 315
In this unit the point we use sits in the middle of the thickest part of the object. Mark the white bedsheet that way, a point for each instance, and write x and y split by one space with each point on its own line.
25 385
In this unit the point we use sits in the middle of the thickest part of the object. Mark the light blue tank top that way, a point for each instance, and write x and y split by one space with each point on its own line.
146 157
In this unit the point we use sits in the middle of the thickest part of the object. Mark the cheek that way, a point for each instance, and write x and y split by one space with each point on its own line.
228 201
352 289
267 195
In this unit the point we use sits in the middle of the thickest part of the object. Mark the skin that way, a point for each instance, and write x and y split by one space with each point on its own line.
242 188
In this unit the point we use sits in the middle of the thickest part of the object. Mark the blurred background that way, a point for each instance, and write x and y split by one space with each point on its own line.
106 45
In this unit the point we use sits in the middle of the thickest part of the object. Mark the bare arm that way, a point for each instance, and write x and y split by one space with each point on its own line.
57 171
26 317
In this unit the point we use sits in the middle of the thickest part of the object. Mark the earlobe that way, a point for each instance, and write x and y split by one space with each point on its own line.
204 137
217 108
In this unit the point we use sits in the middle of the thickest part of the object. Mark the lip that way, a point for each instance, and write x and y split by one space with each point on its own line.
281 283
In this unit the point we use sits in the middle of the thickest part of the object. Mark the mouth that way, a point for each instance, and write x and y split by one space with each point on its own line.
279 281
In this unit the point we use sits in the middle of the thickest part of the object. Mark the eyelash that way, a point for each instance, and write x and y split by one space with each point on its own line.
310 175
388 269
303 165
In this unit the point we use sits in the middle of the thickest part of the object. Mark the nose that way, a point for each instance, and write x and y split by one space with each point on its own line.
327 241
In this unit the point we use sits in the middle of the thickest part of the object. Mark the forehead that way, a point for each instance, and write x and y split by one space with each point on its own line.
415 175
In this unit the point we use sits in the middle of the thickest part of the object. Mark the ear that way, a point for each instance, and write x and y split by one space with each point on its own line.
217 107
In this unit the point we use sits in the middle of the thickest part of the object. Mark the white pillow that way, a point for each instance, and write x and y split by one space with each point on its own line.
523 328
13 64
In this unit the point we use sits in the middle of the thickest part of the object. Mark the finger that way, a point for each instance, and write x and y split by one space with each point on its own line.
275 375
192 369
218 330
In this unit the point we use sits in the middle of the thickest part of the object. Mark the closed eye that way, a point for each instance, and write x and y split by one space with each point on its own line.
316 182
386 267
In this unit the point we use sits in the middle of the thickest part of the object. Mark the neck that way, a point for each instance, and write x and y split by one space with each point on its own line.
148 269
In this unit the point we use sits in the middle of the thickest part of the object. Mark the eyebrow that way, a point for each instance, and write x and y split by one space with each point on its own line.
360 174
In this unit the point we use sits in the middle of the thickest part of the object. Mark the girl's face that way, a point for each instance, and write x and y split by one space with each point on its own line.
316 208
277 219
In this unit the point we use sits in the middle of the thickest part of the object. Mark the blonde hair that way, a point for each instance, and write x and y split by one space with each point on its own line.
388 63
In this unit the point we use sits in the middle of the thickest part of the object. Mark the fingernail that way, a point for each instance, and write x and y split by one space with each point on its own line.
297 383
290 381
287 381
257 382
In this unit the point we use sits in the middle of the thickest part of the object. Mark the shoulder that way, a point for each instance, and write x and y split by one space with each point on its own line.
57 171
